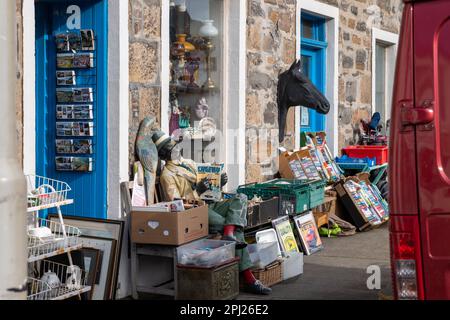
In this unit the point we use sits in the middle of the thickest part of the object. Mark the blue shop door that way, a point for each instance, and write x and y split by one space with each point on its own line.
313 53
89 188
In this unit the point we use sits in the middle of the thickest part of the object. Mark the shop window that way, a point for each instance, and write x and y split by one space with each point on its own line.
380 80
196 77
384 57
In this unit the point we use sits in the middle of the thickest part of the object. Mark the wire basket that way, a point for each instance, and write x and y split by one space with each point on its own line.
49 238
61 281
45 193
38 290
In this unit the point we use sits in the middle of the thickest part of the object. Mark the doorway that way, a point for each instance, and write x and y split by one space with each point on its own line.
71 100
313 56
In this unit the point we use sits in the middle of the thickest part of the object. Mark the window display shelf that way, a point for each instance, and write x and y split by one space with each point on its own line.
180 89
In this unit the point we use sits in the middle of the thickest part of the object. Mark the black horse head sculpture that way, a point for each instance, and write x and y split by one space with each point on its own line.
295 89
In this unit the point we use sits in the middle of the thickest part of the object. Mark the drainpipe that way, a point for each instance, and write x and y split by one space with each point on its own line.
13 240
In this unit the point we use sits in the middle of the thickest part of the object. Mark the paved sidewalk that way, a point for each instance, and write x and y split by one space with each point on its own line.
339 271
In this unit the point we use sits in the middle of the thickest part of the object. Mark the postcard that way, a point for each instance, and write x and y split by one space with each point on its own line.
63 146
64 95
65 60
73 164
83 60
82 147
83 95
71 146
74 39
87 39
63 164
65 78
82 164
62 42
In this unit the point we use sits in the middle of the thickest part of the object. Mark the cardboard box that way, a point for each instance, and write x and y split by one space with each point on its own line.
283 165
169 228
357 218
323 212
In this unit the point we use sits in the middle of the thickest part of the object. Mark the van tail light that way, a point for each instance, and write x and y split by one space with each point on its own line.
405 259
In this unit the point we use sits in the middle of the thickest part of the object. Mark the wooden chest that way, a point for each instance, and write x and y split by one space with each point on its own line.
218 283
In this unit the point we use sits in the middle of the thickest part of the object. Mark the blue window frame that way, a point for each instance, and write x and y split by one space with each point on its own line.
313 53
89 189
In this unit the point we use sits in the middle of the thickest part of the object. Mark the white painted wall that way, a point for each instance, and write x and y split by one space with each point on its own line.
331 14
390 40
165 61
118 125
235 102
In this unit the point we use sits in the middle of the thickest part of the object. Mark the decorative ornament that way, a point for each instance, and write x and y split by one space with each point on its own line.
201 109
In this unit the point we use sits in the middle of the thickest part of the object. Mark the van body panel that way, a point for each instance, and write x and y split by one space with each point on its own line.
402 178
432 91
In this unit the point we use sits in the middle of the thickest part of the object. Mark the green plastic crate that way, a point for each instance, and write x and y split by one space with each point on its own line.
317 193
294 194
251 190
294 203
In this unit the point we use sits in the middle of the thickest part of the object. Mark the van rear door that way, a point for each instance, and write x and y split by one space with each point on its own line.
432 120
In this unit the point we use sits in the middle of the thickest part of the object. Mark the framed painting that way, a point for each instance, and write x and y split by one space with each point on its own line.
106 236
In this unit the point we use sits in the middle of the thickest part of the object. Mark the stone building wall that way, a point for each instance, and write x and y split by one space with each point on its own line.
271 45
357 18
144 64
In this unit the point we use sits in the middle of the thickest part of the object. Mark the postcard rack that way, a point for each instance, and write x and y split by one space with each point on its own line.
76 101
47 239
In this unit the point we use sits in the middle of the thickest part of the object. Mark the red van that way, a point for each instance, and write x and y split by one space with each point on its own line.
420 154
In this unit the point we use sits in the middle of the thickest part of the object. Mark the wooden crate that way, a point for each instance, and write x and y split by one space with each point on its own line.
323 212
270 275
218 283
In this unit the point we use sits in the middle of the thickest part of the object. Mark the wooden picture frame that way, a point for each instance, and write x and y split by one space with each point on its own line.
105 235
308 233
285 234
91 266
